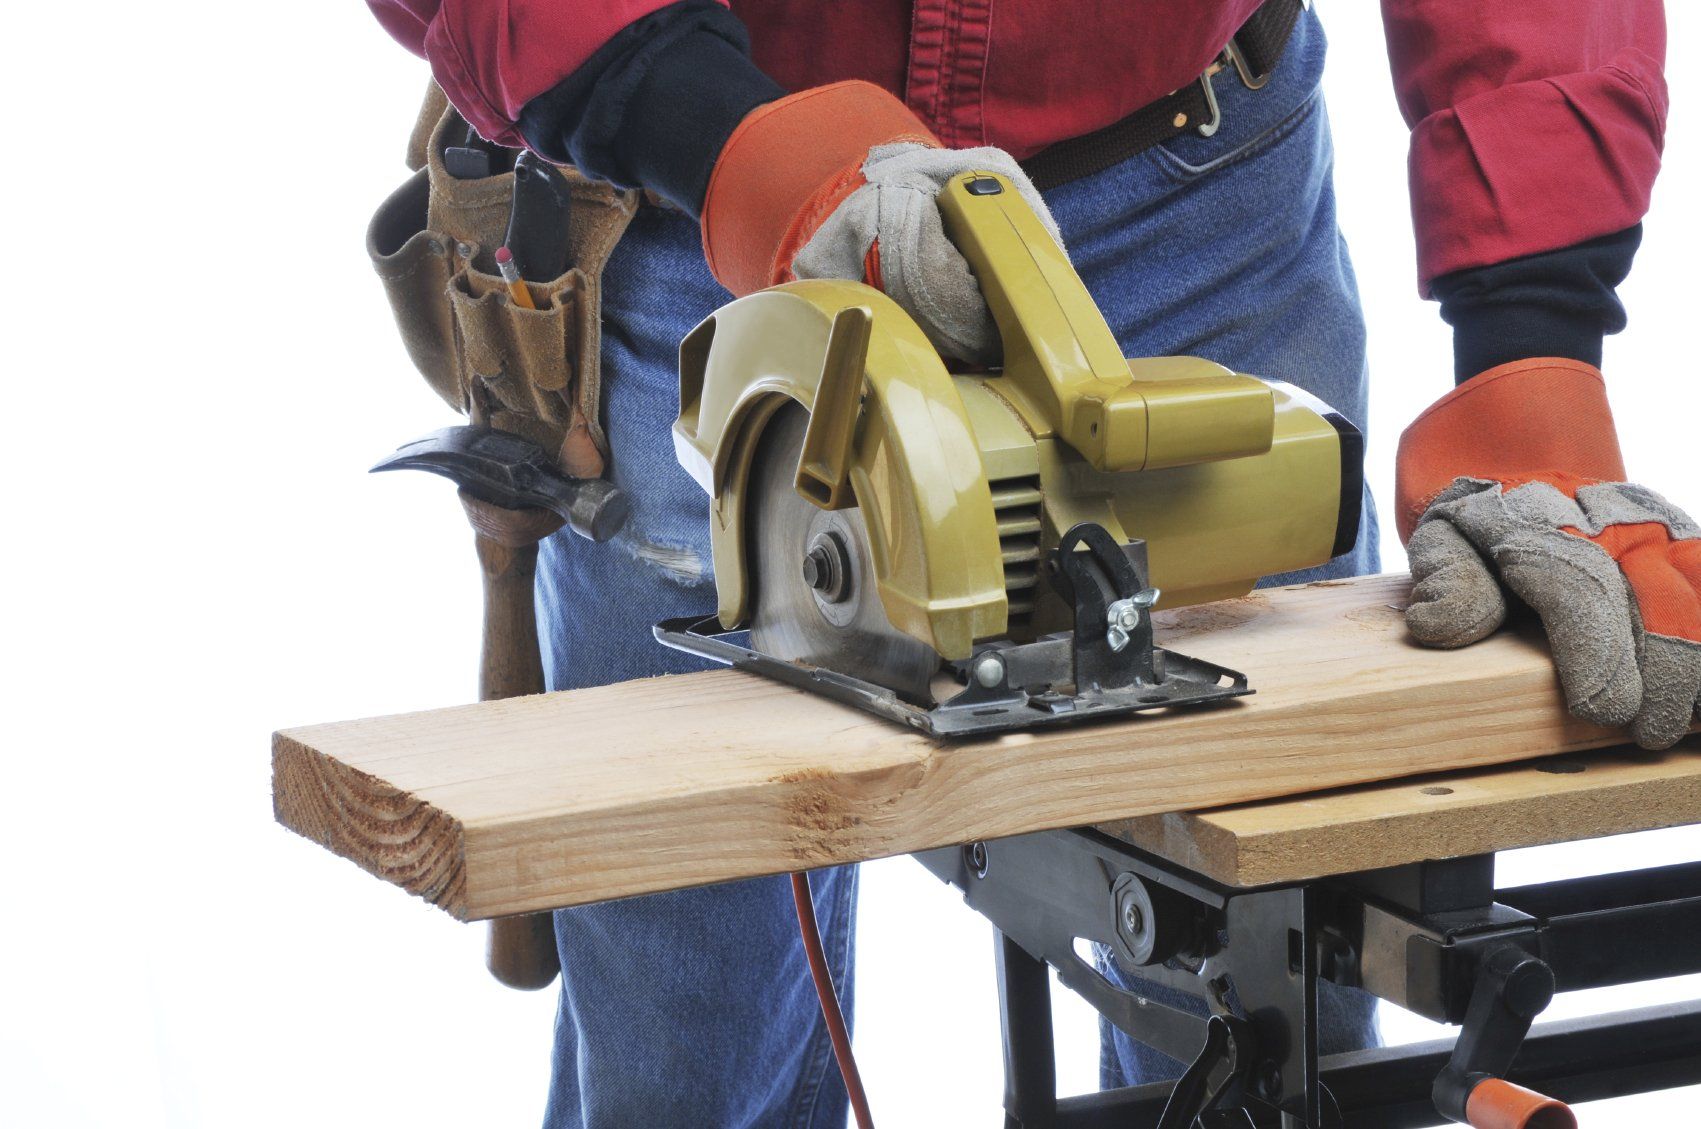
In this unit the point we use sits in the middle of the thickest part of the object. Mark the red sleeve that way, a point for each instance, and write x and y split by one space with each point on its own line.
1535 125
491 57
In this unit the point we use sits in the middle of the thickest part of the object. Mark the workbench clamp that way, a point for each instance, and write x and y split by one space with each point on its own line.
1512 988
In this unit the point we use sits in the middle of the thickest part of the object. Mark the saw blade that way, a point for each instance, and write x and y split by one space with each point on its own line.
815 599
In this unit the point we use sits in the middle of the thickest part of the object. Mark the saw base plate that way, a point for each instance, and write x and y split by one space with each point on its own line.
976 710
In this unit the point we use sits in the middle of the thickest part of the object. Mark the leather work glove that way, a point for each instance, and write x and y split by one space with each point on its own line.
1514 482
841 181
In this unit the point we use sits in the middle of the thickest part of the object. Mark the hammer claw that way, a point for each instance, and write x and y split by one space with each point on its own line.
511 471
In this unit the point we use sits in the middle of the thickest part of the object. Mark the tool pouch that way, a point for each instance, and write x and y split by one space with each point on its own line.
533 372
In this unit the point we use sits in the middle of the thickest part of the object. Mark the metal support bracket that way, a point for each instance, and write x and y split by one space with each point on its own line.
1248 957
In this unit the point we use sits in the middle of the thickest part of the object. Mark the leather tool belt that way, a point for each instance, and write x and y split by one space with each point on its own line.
1253 53
535 372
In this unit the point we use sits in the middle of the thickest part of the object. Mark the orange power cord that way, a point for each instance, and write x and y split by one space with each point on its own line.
829 997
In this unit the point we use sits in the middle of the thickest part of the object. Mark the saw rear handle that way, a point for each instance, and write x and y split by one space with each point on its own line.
1061 355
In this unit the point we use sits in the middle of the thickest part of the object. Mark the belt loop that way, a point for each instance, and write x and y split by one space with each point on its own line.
1257 45
1235 55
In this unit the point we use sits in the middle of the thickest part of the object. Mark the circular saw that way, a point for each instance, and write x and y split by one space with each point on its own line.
975 552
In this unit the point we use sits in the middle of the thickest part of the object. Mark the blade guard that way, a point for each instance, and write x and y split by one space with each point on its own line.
888 433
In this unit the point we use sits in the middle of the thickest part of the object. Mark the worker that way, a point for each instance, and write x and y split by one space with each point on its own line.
1182 154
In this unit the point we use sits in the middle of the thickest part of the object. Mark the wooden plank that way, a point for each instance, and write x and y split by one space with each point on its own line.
559 799
1445 815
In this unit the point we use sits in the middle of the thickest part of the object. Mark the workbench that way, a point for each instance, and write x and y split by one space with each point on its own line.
1387 887
1340 824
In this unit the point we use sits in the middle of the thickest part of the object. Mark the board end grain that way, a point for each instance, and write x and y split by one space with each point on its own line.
384 830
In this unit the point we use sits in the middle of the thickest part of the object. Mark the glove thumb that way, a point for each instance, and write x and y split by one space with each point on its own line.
1455 598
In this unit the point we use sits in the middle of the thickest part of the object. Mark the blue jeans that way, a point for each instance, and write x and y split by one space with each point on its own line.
695 1007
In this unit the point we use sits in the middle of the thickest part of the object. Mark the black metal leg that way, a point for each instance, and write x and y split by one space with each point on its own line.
1030 1054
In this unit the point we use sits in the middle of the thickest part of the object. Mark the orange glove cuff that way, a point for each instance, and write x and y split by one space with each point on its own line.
785 168
1540 418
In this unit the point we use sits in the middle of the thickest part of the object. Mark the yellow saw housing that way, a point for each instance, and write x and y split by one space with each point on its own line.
966 482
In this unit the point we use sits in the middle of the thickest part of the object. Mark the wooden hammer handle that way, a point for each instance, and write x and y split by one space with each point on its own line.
510 664
520 951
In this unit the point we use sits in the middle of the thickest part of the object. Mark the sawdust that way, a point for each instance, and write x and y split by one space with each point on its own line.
800 775
820 819
829 814
1224 615
1377 617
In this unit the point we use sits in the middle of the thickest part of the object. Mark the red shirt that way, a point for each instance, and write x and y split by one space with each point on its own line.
1534 126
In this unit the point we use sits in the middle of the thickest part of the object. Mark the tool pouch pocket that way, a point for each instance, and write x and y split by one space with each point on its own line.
534 372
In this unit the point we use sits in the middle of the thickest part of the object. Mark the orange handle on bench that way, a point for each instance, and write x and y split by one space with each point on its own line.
1497 1104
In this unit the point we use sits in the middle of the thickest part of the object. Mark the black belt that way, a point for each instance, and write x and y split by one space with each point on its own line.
1253 52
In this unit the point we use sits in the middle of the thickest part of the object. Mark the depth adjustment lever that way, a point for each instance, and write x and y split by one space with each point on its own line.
1106 583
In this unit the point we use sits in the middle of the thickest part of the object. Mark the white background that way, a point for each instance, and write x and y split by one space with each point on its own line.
199 367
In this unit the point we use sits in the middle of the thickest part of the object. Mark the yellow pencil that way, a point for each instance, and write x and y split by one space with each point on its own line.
517 289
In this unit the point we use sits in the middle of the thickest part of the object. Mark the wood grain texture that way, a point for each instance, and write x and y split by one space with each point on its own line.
1554 800
560 799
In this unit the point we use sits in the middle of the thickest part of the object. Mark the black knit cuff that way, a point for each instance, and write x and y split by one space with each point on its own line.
1486 336
1556 304
654 106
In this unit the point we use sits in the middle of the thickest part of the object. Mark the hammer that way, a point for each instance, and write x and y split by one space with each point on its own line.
514 497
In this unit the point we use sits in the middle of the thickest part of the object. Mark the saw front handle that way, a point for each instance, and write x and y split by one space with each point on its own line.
1061 356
